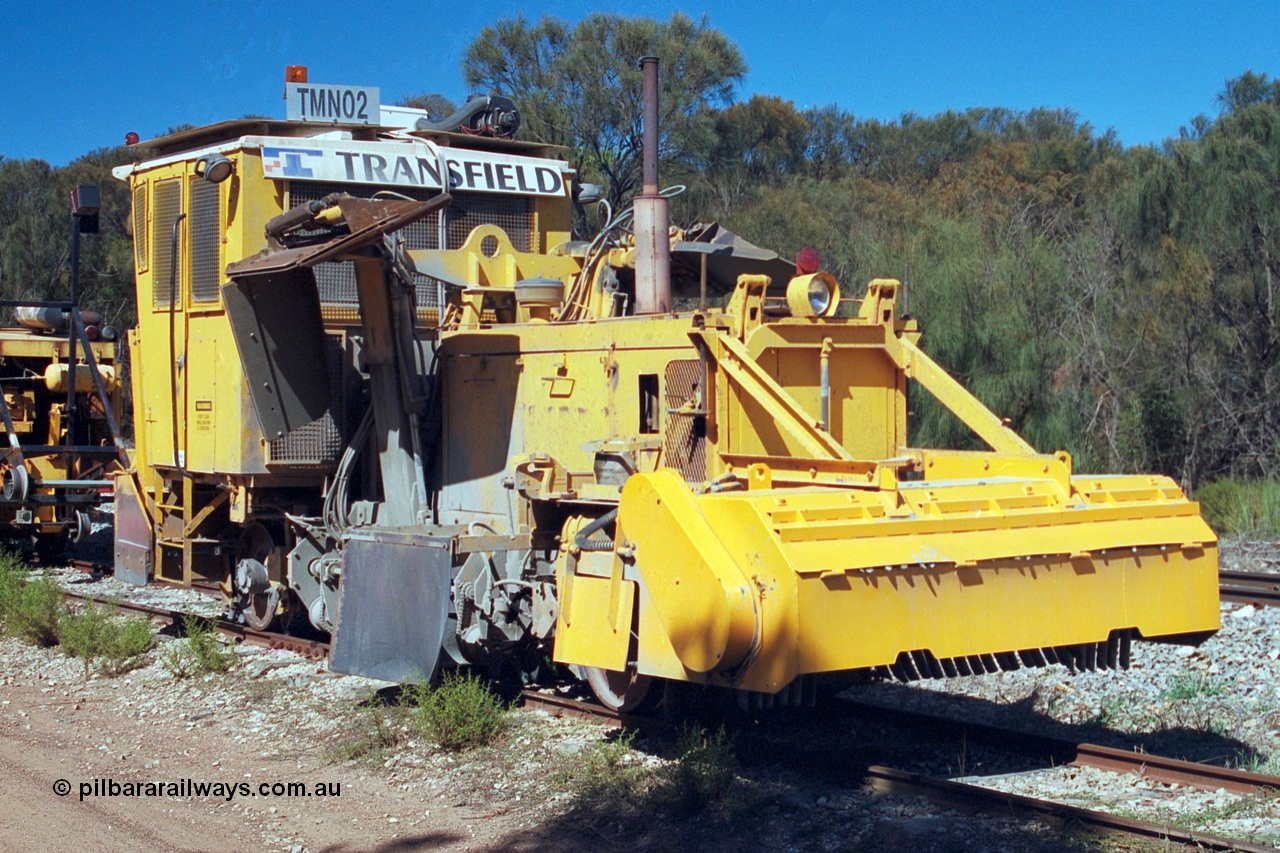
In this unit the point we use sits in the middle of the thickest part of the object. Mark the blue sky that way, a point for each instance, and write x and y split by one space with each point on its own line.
79 76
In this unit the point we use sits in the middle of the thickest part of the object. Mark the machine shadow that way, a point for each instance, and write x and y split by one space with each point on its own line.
1182 729
425 841
782 786
798 778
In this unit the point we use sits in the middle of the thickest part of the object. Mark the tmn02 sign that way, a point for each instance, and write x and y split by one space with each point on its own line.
322 102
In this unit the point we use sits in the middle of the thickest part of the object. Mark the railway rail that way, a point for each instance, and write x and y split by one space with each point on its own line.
1249 588
312 649
953 794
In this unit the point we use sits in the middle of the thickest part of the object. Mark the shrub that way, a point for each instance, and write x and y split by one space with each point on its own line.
32 609
1192 685
95 633
1241 508
459 714
13 577
705 773
199 652
601 773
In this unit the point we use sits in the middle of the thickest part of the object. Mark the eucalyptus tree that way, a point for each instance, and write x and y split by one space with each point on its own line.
580 86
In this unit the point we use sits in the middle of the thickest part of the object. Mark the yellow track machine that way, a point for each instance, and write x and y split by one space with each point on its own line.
517 443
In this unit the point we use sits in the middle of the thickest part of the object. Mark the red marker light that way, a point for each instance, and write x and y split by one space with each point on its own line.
808 261
131 138
91 332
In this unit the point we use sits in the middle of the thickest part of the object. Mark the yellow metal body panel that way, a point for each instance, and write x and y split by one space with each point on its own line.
600 615
185 360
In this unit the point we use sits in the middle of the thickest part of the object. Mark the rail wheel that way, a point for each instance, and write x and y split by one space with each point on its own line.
16 483
620 691
259 597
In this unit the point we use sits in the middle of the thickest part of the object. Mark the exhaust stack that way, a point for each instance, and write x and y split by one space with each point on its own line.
652 220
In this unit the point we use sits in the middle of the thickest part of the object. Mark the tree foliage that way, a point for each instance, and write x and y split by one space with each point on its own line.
580 86
35 234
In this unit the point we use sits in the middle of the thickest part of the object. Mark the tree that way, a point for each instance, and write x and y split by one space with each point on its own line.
580 87
436 105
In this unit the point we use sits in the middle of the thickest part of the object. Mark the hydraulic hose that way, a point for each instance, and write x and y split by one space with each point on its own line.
585 543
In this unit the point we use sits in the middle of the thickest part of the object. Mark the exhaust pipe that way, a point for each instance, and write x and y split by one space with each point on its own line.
652 220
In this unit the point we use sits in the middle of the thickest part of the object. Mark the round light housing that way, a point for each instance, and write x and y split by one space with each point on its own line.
814 295
215 168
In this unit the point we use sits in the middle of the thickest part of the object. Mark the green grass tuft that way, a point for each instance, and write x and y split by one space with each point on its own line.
199 652
706 771
96 634
1242 507
30 608
459 714
1192 685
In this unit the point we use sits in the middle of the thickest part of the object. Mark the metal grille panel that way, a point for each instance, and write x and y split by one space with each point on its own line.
684 446
510 213
168 204
320 442
337 281
206 240
141 243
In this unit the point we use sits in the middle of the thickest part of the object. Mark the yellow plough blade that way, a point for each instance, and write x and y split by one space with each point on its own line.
754 588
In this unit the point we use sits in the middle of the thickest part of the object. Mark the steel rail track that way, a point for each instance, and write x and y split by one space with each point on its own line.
1059 750
951 794
312 649
1249 588
563 706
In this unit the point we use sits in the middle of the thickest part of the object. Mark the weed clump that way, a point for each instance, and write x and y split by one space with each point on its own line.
706 771
199 652
1242 508
376 729
1192 685
604 773
97 634
692 795
459 714
29 608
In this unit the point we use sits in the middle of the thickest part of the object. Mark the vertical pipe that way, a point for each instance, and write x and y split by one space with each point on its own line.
702 282
178 462
825 362
649 151
69 413
652 219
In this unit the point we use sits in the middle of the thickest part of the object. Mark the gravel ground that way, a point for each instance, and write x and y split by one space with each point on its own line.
1219 703
796 787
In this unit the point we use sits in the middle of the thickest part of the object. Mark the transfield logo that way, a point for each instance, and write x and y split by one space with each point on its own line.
287 162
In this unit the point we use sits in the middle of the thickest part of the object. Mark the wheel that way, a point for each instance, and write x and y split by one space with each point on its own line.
261 614
619 691
83 527
260 599
16 483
